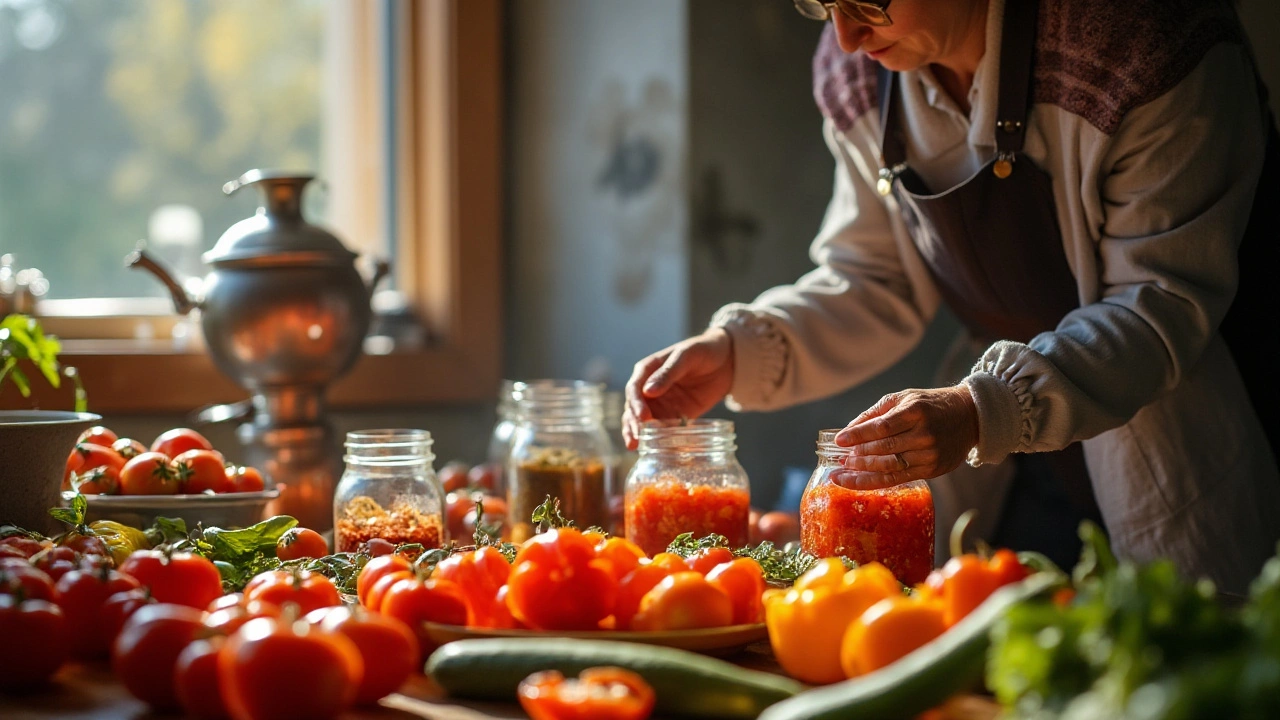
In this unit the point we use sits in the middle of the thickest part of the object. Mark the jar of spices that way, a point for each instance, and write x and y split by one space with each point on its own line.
504 431
892 526
560 449
687 479
389 490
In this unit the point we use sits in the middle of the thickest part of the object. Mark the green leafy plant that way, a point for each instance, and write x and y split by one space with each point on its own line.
22 338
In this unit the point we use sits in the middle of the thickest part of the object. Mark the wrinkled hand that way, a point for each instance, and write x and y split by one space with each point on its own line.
682 381
909 435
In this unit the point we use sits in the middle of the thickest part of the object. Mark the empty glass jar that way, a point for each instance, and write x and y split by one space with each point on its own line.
892 526
389 490
561 450
503 435
687 479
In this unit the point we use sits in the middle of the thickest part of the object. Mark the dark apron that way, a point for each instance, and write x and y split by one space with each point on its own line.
993 247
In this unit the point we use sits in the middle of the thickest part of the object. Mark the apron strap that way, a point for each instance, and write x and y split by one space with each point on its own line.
1017 49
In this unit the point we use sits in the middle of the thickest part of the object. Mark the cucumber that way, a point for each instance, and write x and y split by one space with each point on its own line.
685 683
924 678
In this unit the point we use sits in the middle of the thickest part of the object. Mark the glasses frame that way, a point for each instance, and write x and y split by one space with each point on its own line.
861 11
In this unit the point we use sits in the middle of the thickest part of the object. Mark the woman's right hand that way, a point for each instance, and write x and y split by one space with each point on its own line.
682 381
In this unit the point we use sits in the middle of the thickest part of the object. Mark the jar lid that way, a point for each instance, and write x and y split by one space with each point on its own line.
277 234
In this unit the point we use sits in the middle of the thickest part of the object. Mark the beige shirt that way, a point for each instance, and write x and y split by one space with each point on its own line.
1151 216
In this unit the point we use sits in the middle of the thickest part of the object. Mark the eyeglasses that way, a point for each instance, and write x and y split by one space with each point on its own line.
861 11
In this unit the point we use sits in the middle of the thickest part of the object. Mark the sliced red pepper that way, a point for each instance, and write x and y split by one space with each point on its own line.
602 693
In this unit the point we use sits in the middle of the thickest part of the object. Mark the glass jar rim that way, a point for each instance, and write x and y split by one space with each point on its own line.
683 427
388 438
827 446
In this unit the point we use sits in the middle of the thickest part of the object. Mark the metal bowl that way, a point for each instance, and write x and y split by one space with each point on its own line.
225 510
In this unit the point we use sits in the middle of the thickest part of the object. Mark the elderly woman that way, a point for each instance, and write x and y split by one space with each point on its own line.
1076 180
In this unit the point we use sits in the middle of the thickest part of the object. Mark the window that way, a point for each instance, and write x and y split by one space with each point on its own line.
124 117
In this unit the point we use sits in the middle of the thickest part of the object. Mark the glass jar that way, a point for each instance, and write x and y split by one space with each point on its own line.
389 490
500 440
687 479
560 449
625 459
892 526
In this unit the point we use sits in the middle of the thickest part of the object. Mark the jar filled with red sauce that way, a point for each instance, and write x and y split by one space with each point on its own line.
686 480
892 526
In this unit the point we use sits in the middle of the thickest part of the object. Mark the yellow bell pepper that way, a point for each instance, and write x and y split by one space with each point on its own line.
807 623
121 540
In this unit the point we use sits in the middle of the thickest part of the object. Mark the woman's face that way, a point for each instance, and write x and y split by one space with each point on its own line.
923 32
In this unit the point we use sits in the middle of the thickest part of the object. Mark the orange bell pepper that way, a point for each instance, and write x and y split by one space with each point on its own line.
965 581
888 630
807 623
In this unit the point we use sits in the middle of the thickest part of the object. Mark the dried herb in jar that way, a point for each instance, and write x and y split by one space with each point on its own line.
363 519
578 482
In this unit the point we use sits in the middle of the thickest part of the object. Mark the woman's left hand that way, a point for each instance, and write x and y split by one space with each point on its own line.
909 435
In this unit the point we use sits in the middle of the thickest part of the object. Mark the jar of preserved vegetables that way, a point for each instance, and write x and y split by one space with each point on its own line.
389 490
892 526
687 479
560 449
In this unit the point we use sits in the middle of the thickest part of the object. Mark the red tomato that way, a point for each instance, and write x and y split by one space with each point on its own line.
599 693
457 505
81 595
779 528
623 555
671 561
148 474
632 590
101 480
484 475
226 601
195 680
56 561
146 652
495 515
413 601
227 620
117 609
85 545
98 435
388 648
24 546
200 471
301 543
1006 567
181 578
30 582
378 591
743 581
375 570
245 479
179 440
705 560
377 547
453 476
324 671
558 583
753 526
87 456
310 591
480 574
35 638
128 449
684 601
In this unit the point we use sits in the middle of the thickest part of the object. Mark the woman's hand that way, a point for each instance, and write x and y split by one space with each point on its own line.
909 435
682 381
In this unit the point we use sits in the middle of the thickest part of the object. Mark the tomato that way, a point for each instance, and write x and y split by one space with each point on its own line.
182 578
378 591
623 555
495 515
484 475
632 590
56 561
179 440
145 654
323 669
200 471
35 640
453 476
1007 567
245 479
456 506
887 631
87 456
388 648
753 526
195 679
25 546
227 620
85 546
301 543
480 574
743 581
98 435
671 561
558 583
225 601
683 601
377 569
706 559
128 448
148 474
377 547
30 582
81 595
599 693
414 601
308 590
117 609
779 528
101 480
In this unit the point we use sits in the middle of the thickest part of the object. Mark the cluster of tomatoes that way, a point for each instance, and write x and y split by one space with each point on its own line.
176 642
180 460
464 486
566 580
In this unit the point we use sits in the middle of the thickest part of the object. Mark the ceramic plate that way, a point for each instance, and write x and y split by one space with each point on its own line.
227 510
710 641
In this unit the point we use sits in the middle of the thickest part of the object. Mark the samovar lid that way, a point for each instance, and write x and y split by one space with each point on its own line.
277 234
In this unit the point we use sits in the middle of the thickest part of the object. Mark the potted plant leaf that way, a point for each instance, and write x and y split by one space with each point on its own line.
34 444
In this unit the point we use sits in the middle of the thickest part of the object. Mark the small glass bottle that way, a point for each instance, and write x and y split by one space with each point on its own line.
500 440
389 490
892 526
560 449
687 479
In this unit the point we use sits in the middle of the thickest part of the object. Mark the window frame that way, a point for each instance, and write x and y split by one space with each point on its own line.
448 240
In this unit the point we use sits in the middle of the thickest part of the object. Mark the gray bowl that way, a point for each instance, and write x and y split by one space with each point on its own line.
224 510
34 445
